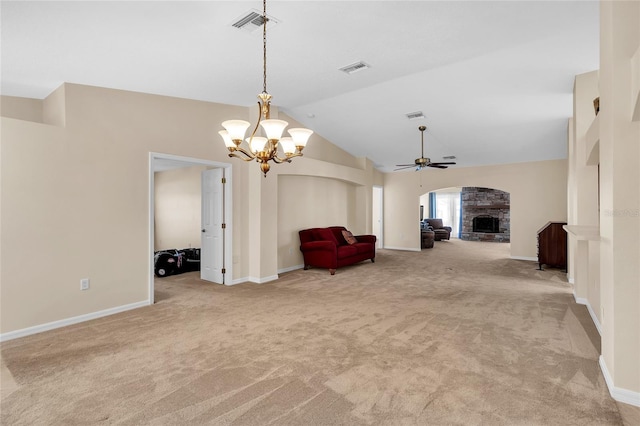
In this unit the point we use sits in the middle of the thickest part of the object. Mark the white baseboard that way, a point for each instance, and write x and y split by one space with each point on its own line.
532 259
622 395
594 318
262 280
570 279
70 321
290 268
253 280
402 248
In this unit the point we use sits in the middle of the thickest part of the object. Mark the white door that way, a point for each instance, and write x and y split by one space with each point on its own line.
212 247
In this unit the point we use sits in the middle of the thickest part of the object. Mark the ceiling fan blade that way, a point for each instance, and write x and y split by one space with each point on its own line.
405 167
442 164
436 166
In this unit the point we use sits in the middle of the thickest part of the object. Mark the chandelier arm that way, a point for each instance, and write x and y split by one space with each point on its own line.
287 158
248 156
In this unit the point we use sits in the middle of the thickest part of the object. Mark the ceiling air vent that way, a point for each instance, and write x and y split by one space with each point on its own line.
415 115
449 157
252 20
358 66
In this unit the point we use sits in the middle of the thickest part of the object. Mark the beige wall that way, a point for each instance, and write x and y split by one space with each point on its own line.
178 195
538 195
75 198
619 196
21 108
76 193
309 202
582 184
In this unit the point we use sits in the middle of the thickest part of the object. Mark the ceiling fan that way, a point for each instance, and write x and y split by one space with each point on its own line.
423 162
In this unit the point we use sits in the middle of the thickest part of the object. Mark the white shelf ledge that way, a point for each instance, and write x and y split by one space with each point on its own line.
582 232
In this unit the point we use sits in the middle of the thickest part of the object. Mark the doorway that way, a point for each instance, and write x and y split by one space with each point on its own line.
377 215
219 254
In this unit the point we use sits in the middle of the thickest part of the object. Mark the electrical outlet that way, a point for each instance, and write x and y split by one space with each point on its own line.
290 250
84 284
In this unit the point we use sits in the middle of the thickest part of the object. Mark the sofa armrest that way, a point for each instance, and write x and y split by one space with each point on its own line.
366 238
448 228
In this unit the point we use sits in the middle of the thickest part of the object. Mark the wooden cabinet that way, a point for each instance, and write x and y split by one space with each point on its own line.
552 245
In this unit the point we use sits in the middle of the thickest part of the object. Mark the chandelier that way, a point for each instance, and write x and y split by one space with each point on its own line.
264 149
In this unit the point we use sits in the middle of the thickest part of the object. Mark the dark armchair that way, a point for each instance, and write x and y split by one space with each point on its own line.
441 232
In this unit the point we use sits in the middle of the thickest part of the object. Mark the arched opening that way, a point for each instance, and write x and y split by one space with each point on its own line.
443 204
473 213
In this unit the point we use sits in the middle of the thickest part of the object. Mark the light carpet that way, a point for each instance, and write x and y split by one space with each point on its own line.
455 335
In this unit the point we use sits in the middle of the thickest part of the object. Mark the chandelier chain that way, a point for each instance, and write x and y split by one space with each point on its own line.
264 46
264 149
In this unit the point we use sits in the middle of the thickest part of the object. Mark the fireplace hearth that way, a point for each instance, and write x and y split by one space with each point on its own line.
486 223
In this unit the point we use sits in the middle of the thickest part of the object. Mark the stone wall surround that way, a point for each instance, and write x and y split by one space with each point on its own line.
485 201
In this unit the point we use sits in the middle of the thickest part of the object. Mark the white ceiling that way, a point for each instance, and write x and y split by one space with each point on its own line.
494 79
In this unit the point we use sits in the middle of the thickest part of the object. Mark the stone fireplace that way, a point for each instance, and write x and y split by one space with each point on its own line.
486 223
485 215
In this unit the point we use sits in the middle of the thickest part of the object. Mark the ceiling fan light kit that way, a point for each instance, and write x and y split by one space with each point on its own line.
264 149
422 162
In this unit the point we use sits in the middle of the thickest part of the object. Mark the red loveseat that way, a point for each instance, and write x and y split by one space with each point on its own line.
328 248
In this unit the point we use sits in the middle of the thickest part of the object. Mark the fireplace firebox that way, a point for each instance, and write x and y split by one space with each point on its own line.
486 223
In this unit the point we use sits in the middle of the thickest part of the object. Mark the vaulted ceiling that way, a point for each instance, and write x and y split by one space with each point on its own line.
493 79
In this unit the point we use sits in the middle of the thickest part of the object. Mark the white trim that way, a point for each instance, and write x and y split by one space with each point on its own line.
401 248
237 281
532 259
263 280
70 321
622 395
570 279
290 268
253 280
594 318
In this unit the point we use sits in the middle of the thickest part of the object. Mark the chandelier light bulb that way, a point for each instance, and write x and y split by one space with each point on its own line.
257 144
227 139
236 128
273 128
288 146
300 136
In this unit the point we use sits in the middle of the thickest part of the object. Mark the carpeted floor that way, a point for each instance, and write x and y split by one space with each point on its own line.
455 335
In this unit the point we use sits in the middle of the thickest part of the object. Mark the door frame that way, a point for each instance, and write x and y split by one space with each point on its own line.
380 208
228 211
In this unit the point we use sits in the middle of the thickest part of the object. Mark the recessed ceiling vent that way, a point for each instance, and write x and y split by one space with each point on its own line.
415 115
252 21
358 66
449 157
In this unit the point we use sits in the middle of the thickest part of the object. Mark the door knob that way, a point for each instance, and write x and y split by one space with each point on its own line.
203 230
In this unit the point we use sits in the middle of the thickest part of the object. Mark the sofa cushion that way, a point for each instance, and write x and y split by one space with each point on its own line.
436 223
363 248
348 237
324 234
337 233
346 251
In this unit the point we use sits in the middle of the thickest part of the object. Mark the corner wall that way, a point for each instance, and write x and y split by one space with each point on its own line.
620 198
